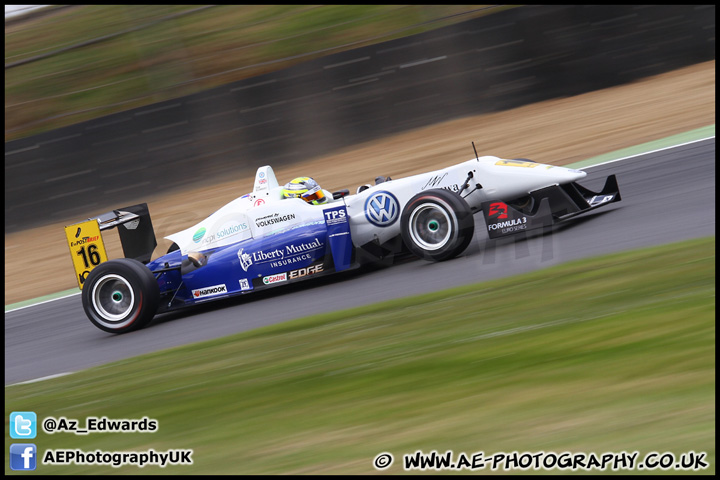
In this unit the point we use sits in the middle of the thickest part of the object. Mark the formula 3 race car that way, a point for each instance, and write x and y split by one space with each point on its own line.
262 240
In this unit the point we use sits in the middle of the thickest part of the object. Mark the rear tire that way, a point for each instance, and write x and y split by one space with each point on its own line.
437 225
120 295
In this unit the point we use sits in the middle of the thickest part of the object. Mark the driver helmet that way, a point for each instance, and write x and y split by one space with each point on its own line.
305 188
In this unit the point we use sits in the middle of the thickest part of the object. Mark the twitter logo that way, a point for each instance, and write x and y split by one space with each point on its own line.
23 425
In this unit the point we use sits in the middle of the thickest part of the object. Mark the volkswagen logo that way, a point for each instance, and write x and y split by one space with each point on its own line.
382 209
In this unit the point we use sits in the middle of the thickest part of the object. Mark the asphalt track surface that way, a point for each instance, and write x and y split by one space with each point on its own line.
667 196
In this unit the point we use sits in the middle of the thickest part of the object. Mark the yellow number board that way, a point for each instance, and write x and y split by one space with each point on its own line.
86 248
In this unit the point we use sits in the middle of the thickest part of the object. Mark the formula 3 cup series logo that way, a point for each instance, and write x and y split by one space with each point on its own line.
502 221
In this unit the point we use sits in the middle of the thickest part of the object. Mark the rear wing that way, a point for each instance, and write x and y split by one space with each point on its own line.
87 248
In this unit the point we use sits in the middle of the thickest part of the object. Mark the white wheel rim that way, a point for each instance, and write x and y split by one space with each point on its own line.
113 300
430 226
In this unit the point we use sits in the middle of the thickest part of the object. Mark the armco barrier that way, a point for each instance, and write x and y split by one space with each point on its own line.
491 63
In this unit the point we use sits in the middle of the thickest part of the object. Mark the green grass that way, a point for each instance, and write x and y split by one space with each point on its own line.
184 55
604 355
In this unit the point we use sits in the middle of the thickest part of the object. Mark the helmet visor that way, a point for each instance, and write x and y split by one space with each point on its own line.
316 196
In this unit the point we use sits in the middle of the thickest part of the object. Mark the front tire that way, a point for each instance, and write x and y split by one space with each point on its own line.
120 295
437 225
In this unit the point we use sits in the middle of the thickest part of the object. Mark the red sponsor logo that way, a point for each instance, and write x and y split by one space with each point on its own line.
498 210
281 277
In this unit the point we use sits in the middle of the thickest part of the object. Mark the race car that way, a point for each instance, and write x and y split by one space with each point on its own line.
263 239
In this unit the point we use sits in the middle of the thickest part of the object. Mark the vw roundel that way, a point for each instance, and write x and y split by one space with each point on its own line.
382 209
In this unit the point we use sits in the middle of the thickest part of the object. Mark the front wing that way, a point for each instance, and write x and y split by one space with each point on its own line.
547 206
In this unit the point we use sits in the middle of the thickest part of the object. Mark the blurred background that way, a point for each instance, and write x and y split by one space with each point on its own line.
81 61
147 95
